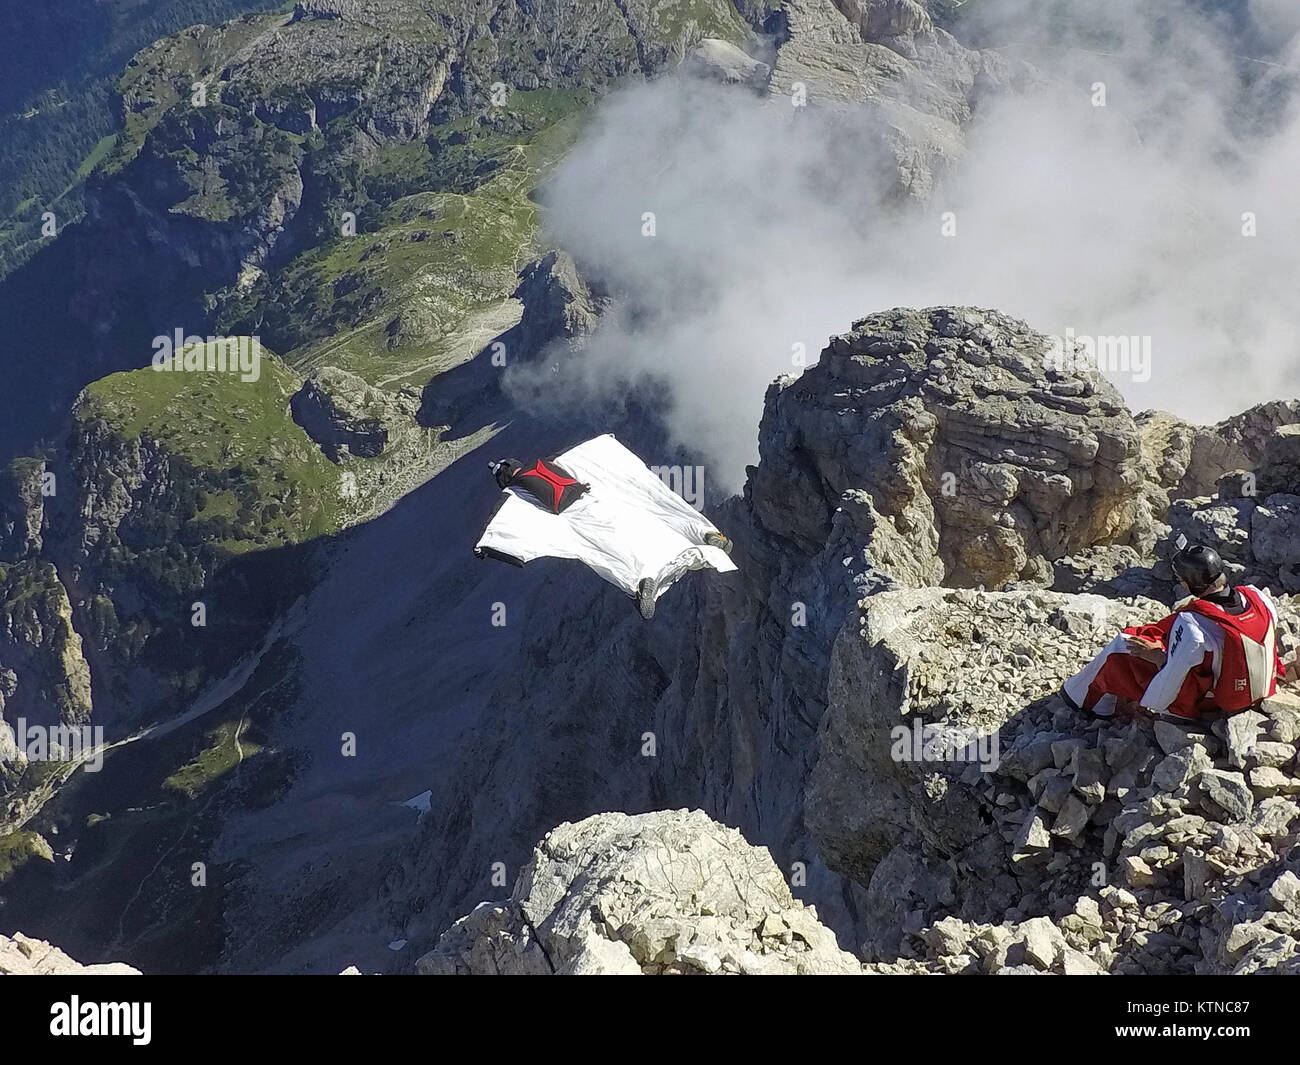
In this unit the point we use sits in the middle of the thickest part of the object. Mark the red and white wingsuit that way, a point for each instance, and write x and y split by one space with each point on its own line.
1215 662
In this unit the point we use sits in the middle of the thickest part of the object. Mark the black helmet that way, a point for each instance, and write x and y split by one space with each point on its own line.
1197 567
504 469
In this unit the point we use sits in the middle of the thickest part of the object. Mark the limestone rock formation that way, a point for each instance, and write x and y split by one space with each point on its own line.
1190 460
346 416
13 759
558 304
22 508
21 956
659 893
10 752
885 58
44 676
957 452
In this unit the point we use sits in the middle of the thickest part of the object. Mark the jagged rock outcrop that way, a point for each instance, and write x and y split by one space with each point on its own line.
723 62
348 417
558 304
894 23
998 830
669 892
957 453
22 508
912 80
372 435
44 676
13 759
21 956
1191 460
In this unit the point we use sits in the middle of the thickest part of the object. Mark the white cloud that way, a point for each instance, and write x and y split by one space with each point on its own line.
772 228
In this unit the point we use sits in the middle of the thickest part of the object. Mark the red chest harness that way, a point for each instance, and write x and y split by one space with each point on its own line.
1250 667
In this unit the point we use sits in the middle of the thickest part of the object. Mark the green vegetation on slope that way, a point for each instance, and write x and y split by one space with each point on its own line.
228 746
17 847
248 475
451 222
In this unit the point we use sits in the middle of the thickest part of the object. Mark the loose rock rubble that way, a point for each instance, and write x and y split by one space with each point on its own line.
1123 846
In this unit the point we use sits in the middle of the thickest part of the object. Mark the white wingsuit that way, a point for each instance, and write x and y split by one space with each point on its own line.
628 527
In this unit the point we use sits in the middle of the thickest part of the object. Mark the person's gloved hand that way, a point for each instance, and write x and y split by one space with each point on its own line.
1147 650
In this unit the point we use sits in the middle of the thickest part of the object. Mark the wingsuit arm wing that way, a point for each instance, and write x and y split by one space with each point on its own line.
521 531
620 472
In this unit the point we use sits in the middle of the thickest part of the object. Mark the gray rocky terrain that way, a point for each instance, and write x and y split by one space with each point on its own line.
1075 846
846 757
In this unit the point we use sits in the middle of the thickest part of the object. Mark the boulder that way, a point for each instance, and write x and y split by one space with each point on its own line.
957 451
669 892
1279 467
1240 733
23 956
1275 530
1043 942
1225 795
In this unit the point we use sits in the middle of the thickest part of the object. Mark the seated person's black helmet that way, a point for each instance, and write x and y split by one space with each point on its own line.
1197 567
